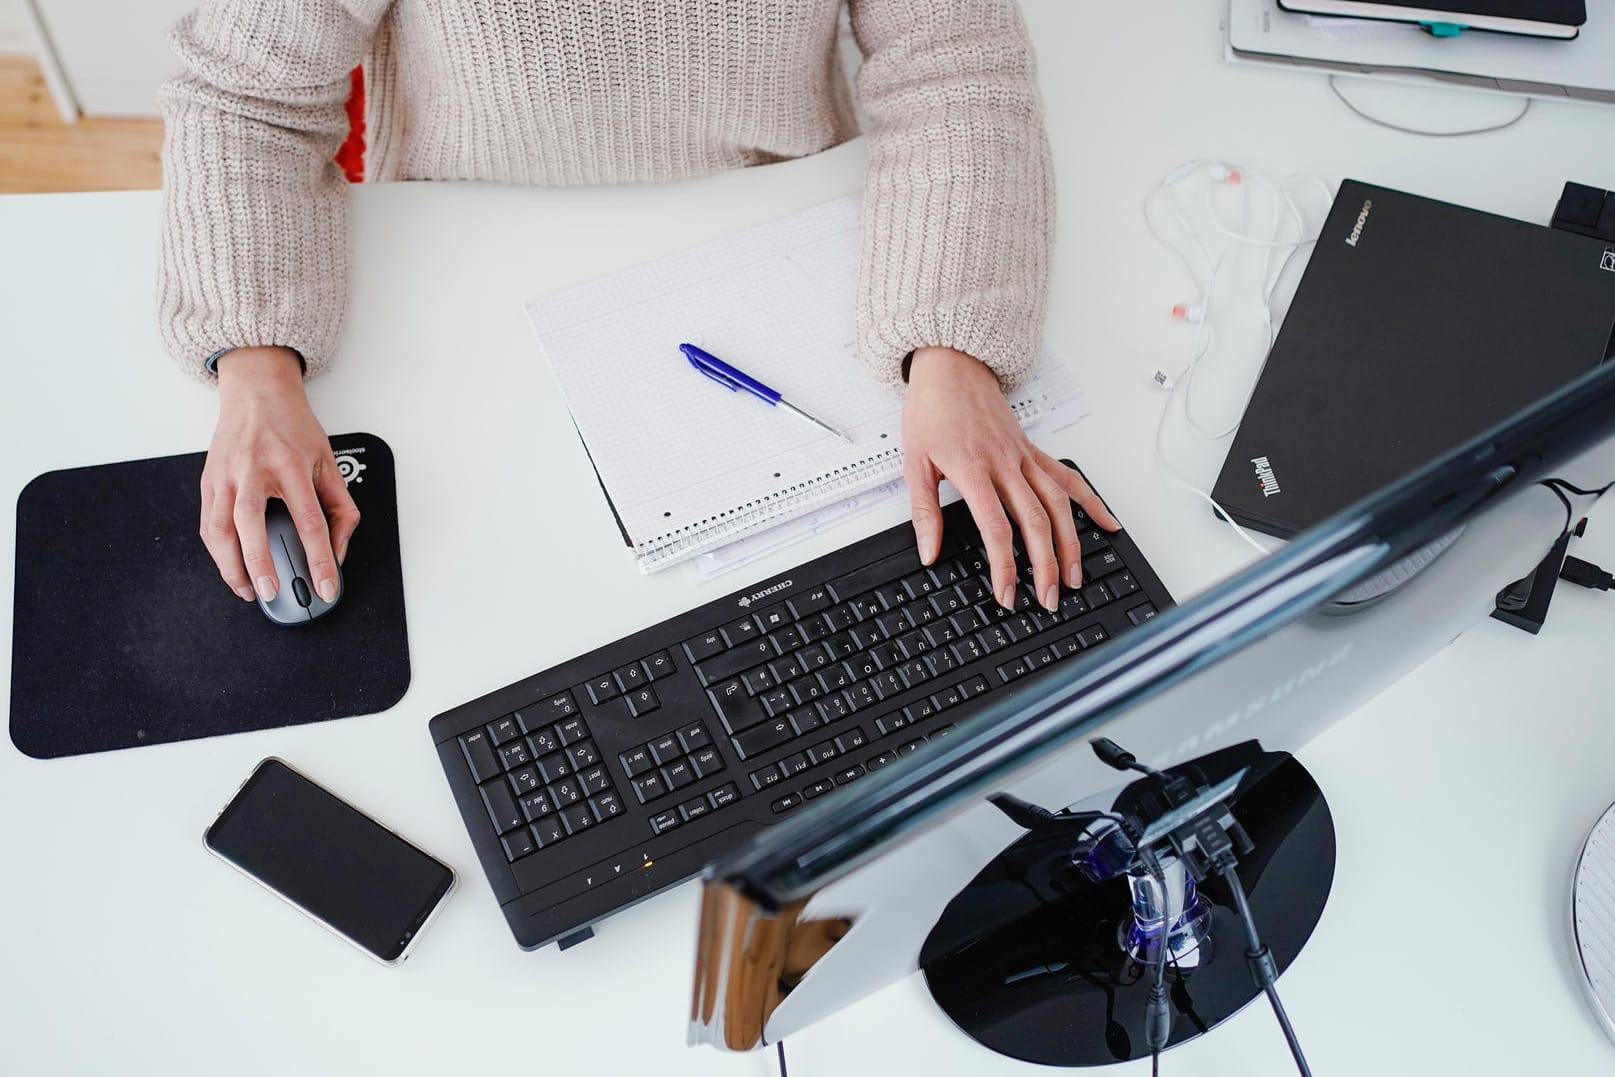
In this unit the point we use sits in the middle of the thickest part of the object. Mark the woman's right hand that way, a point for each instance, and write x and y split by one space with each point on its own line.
269 444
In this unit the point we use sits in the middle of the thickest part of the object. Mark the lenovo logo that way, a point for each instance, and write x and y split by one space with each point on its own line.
1362 219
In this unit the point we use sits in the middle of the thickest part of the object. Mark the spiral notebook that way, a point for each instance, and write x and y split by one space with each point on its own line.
688 466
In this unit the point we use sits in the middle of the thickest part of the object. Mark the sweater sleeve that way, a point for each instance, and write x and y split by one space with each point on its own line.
254 230
959 191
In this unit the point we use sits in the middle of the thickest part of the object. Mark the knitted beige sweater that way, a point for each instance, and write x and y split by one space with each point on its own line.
958 201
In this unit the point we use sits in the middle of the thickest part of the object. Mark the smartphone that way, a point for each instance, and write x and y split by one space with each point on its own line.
331 860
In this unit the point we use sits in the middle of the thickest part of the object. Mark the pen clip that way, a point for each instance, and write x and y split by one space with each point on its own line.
727 383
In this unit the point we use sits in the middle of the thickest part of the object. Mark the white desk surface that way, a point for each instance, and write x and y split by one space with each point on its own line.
129 950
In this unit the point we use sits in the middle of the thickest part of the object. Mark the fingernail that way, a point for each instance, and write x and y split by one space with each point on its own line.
267 587
244 593
927 548
328 590
1007 600
1051 600
1073 576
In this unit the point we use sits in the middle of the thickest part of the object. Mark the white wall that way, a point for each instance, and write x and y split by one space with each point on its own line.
14 33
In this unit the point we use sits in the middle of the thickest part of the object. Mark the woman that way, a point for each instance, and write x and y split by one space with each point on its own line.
958 210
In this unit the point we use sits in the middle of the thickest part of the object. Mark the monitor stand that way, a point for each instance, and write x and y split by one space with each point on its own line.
1035 962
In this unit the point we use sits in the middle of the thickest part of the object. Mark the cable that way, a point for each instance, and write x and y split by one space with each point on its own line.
1261 960
781 1045
1157 1015
1586 574
1518 116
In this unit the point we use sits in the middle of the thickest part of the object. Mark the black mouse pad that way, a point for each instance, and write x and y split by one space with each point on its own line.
125 635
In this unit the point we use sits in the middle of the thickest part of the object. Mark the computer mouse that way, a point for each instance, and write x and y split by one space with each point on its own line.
296 602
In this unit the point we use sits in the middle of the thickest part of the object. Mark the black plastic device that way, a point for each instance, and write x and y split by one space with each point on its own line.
329 859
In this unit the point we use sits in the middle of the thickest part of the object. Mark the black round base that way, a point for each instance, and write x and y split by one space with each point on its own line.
1025 960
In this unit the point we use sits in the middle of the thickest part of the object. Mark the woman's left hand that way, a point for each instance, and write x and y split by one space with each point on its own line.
958 426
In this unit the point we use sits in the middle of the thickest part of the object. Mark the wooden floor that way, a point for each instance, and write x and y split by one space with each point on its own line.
38 152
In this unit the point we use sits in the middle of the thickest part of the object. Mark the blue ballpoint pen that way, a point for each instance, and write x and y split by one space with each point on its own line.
732 379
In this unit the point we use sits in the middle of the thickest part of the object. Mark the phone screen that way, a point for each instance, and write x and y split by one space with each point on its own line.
330 859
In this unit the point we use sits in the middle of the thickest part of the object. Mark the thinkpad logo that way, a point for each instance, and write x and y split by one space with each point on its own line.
1362 219
1607 263
1265 477
747 600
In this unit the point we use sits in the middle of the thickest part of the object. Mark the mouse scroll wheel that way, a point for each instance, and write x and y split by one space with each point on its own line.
300 591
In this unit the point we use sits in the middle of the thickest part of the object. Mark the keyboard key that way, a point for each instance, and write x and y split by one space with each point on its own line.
753 742
536 806
1040 658
840 645
975 590
888 654
1139 614
766 777
1096 595
544 741
504 730
851 740
777 701
948 697
631 676
834 708
772 616
666 748
577 817
967 650
788 638
1043 619
693 736
865 636
667 820
946 603
835 678
819 753
641 701
861 695
583 754
648 787
881 760
994 638
605 806
525 780
515 754
594 780
736 660
724 795
1092 634
1072 605
705 646
813 658
678 774
706 761
554 767
1121 584
888 684
551 710
792 765
818 788
519 844
786 668
919 711
694 809
849 774
1065 647
758 680
479 755
740 631
548 831
786 802
572 730
1014 669
974 687
841 617
658 665
804 719
1100 564
636 761
874 575
1093 538
737 710
910 746
813 600
891 594
814 628
1021 626
914 672
941 633
806 689
941 731
501 805
565 792
603 687
943 661
885 727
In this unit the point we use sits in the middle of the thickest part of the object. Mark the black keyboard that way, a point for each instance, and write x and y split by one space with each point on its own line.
596 783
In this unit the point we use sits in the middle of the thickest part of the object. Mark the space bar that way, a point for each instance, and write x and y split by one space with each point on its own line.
869 577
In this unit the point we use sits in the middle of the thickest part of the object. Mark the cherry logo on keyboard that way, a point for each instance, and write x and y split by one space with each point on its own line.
747 600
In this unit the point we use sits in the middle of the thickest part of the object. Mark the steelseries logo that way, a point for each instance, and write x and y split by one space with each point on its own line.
1362 219
747 600
1265 476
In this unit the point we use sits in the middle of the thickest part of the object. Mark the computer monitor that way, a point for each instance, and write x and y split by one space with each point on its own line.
914 866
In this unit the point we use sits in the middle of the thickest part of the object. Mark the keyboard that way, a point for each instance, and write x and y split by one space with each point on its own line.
592 785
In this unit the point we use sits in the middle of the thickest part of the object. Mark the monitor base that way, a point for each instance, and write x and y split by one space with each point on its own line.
1049 981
